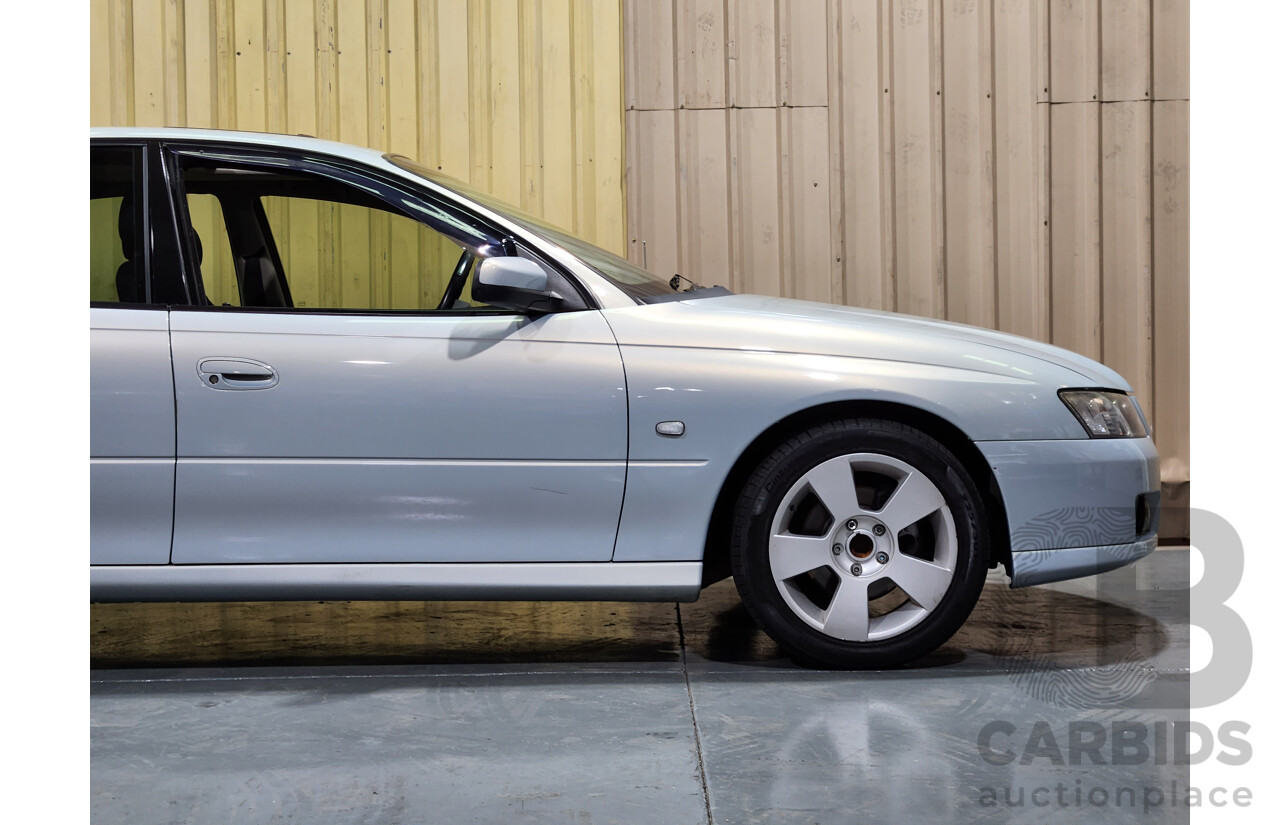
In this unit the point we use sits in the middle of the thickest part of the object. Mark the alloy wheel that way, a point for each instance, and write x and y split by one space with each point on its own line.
863 547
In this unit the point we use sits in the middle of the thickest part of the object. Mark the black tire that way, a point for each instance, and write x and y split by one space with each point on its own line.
764 493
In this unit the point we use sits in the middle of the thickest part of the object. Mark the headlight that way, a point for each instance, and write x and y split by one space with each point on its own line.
1105 414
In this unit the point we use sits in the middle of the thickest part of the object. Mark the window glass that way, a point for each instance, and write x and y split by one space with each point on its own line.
213 251
273 237
117 263
348 256
631 279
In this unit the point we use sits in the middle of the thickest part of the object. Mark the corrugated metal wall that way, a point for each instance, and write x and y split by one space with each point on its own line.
522 98
1016 164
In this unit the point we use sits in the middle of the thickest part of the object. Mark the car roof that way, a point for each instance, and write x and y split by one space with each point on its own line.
302 142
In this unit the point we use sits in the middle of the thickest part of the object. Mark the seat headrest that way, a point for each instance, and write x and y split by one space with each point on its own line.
127 227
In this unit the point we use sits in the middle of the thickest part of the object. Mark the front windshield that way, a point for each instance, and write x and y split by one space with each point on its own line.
626 276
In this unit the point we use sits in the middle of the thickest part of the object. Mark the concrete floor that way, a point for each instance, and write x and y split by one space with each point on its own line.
601 713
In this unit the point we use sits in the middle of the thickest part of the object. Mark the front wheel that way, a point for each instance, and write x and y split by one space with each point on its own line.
859 544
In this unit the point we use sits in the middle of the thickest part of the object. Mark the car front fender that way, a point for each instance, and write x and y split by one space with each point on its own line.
727 398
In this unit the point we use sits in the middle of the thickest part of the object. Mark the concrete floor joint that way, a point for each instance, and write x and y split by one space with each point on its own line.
693 715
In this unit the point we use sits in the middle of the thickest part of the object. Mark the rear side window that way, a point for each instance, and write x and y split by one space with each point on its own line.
117 255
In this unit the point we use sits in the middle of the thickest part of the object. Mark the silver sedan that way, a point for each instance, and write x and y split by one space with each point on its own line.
321 372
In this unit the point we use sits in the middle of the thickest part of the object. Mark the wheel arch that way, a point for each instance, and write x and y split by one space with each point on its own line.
716 549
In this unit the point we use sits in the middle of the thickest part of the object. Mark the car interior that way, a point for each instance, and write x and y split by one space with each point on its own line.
117 270
260 216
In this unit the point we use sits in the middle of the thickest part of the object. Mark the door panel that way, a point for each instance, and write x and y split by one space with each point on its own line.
428 438
130 510
131 436
285 511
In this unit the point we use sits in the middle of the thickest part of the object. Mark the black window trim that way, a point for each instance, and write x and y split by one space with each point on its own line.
164 194
171 151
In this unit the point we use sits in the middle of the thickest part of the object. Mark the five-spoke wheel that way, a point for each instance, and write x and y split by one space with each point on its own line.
859 543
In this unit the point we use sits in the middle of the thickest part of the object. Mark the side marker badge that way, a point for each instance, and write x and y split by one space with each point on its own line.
671 429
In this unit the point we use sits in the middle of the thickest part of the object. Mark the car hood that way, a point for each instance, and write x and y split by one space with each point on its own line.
756 322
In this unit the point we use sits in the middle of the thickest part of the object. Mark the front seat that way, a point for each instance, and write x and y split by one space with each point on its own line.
198 248
260 284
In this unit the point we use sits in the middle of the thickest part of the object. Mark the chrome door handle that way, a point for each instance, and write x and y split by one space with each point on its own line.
236 374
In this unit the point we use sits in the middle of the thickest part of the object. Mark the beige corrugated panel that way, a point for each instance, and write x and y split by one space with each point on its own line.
522 98
1017 164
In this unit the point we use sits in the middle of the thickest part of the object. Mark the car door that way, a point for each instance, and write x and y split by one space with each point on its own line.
329 412
131 435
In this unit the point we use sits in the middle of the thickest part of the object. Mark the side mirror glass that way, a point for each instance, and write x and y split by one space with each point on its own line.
512 283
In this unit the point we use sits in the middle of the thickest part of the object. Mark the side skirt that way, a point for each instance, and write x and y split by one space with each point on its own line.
584 581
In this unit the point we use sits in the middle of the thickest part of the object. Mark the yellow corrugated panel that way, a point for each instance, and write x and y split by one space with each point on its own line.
520 98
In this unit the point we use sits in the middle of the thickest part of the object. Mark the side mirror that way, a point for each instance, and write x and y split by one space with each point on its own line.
513 283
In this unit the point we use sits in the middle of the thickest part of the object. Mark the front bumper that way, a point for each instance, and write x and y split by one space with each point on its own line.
1044 566
1076 507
